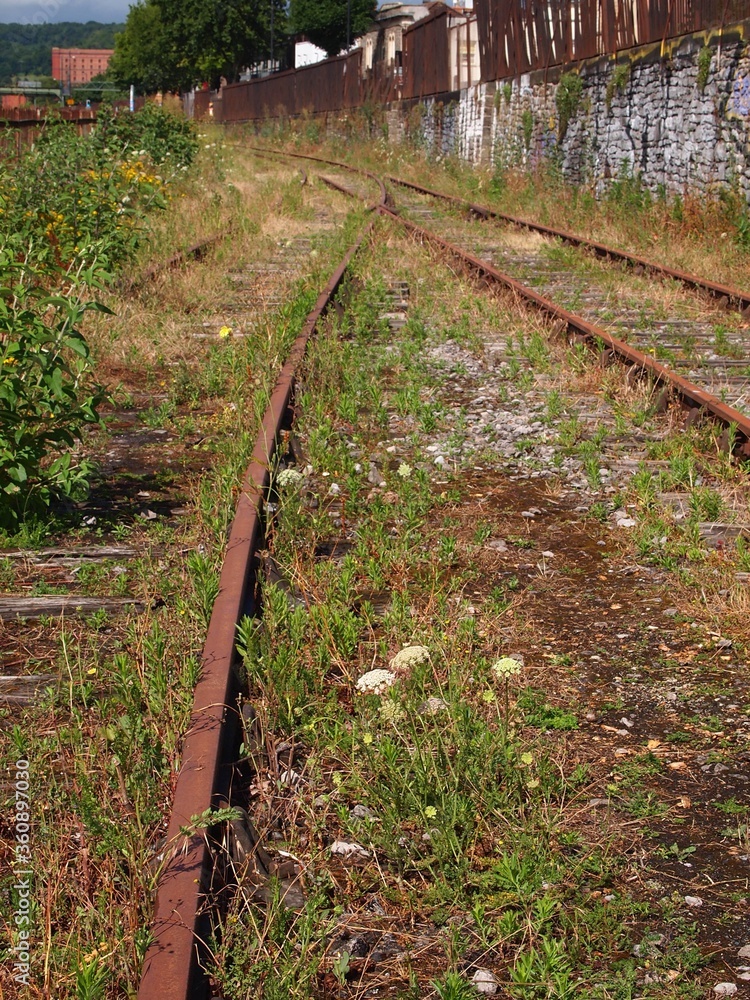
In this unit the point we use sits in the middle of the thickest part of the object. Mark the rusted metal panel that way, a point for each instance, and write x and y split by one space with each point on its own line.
352 86
206 104
321 87
426 56
272 95
516 36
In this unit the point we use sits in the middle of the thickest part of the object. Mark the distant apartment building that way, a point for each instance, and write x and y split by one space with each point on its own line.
73 67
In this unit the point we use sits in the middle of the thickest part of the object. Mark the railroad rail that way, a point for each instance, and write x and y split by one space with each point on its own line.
727 296
172 969
688 392
695 397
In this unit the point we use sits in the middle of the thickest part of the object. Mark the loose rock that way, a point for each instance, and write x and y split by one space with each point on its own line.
349 849
485 982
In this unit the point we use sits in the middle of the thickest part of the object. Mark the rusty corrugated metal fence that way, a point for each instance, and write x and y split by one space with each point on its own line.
426 57
514 37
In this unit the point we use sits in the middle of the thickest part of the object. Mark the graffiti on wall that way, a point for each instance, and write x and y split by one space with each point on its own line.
741 96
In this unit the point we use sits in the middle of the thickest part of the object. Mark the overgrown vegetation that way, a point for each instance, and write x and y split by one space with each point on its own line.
459 783
72 212
567 100
527 125
617 83
704 67
113 690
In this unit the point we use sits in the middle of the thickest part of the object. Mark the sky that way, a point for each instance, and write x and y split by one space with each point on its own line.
49 11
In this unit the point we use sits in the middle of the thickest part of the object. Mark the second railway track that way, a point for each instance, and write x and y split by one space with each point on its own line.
449 536
489 731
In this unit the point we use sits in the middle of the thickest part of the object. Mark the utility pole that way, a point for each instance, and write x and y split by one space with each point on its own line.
272 59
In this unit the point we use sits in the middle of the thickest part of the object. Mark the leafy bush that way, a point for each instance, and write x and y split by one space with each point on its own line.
567 99
163 136
72 210
46 391
704 68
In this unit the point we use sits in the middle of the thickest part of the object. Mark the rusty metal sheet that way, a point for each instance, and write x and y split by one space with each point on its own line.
516 36
426 56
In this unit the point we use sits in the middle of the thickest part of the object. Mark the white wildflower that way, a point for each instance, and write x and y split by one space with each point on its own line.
404 470
409 656
288 479
391 711
376 681
505 668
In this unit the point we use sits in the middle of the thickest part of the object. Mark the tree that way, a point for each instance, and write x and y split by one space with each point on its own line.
324 22
142 55
174 44
220 38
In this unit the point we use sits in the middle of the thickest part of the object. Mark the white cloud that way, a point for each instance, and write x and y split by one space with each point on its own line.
51 11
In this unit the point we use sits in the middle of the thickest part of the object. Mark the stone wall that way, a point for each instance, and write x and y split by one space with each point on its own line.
678 115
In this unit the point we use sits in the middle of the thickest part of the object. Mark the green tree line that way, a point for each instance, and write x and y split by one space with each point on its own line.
26 49
175 44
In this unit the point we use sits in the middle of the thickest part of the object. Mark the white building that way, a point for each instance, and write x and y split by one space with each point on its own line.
305 54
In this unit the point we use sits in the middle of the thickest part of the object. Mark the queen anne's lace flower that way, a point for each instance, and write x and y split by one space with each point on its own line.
410 656
376 681
505 668
289 478
391 711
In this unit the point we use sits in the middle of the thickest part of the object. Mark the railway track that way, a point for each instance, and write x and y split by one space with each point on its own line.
698 360
727 296
437 475
696 348
87 616
172 967
473 394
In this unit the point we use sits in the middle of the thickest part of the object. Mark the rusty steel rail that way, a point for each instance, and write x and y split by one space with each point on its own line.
689 393
172 968
384 198
195 252
728 296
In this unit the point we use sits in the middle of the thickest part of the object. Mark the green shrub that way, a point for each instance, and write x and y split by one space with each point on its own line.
617 83
704 67
72 210
161 135
567 99
527 124
47 394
